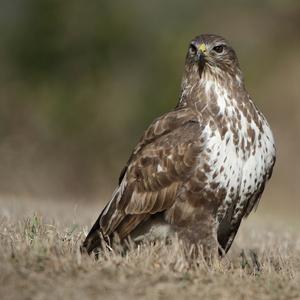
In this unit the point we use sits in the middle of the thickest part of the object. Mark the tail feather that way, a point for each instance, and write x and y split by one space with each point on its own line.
93 239
105 225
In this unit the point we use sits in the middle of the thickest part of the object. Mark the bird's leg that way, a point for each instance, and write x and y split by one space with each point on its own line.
200 239
250 261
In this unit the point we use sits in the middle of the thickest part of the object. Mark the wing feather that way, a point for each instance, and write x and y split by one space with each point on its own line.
163 159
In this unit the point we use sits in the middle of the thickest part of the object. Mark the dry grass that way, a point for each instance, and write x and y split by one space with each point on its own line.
40 259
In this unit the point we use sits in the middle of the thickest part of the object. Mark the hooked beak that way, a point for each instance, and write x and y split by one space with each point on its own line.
201 53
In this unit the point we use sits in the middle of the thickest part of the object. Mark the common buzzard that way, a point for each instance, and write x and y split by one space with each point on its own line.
199 169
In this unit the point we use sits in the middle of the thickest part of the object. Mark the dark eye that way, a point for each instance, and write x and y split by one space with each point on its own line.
219 48
193 49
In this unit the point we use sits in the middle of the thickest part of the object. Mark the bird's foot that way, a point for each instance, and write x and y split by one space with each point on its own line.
250 261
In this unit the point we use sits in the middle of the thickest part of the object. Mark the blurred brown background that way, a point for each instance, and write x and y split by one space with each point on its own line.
81 80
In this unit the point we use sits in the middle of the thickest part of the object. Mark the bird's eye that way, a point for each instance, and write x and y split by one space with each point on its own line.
193 49
219 48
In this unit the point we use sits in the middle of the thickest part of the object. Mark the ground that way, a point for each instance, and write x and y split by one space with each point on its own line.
40 259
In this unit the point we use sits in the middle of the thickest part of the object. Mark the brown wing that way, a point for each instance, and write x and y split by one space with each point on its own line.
163 159
227 229
160 127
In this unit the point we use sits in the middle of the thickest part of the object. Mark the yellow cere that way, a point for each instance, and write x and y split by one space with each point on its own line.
202 47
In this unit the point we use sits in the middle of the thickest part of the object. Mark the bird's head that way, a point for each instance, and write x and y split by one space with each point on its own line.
208 52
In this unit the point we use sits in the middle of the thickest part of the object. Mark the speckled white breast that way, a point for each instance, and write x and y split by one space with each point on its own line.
239 169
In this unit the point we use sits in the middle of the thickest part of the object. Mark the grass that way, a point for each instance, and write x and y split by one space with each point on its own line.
40 259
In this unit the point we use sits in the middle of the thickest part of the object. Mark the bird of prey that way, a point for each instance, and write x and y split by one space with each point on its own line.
199 169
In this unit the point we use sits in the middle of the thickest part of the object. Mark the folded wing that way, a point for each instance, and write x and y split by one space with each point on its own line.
163 160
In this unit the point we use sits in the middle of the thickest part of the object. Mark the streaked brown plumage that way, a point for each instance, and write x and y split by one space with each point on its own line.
199 169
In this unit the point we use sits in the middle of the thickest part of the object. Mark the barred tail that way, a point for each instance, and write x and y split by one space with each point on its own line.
104 227
93 240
